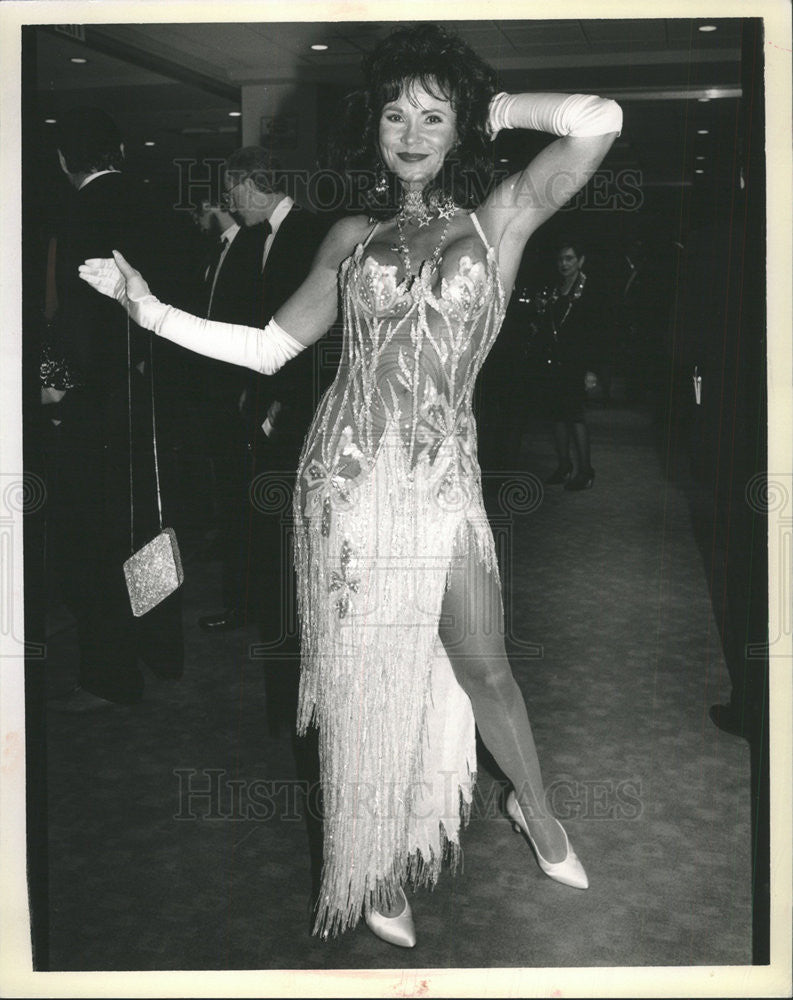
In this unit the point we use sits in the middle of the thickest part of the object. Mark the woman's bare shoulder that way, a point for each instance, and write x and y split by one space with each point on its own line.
344 236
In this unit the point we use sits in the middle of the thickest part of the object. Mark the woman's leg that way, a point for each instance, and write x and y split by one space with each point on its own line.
561 440
581 438
472 631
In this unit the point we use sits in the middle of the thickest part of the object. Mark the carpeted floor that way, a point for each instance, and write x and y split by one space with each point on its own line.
616 651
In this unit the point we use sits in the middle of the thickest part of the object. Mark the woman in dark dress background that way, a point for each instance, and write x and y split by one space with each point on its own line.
569 324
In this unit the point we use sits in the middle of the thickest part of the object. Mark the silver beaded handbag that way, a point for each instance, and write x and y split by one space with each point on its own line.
155 570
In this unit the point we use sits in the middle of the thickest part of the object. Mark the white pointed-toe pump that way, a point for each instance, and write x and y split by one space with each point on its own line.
569 871
398 930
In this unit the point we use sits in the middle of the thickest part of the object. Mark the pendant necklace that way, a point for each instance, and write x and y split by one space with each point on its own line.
404 252
415 209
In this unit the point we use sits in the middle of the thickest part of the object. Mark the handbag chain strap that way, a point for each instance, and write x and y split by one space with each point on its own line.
153 436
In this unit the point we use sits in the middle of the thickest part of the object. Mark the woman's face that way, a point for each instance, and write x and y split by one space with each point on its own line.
567 263
417 130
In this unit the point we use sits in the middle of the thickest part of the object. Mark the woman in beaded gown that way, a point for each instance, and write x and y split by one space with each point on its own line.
400 601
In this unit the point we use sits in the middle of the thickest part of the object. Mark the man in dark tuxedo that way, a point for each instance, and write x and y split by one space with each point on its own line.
102 488
229 289
279 410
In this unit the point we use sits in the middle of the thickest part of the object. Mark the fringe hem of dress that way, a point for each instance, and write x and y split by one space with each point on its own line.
414 872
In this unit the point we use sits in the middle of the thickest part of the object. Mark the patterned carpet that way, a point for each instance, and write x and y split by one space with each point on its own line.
616 651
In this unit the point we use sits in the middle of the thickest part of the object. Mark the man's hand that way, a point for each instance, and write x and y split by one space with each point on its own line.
49 395
269 425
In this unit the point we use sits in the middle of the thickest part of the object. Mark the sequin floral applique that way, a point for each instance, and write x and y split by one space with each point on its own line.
342 583
439 422
380 289
327 488
464 293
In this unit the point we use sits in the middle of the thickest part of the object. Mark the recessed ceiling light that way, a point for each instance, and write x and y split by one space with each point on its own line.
703 100
50 121
146 180
707 27
319 47
148 143
700 157
702 131
78 60
503 160
699 171
234 114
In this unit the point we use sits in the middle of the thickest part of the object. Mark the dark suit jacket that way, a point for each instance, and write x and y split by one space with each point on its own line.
296 385
112 213
90 329
237 299
238 289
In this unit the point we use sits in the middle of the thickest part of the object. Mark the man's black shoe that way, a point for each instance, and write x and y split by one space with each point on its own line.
78 701
726 718
225 621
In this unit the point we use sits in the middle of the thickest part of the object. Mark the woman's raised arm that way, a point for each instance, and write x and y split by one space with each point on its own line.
301 321
587 125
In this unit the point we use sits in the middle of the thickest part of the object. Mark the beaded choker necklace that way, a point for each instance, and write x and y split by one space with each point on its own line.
415 210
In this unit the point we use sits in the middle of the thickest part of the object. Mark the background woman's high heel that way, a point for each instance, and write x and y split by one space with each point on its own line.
584 480
562 473
399 930
569 871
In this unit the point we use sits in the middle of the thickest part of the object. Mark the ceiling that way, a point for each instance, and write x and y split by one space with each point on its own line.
235 53
175 84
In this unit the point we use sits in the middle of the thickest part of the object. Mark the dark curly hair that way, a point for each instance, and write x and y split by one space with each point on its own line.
446 67
571 241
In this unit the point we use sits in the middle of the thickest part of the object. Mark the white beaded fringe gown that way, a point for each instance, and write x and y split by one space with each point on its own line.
388 497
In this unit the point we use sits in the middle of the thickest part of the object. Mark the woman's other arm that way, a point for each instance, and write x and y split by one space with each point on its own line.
301 321
587 125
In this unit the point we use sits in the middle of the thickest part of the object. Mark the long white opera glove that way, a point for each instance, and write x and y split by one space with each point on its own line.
263 351
576 115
